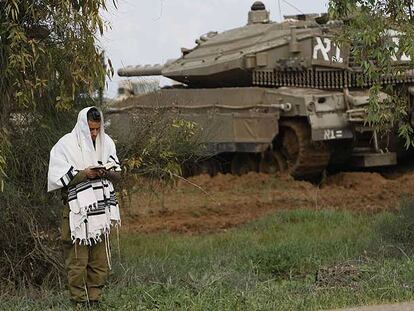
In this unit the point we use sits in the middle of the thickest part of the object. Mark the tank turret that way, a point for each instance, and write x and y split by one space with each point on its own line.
299 52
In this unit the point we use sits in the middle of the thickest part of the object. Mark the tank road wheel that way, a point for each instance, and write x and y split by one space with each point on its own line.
272 161
209 166
305 159
242 163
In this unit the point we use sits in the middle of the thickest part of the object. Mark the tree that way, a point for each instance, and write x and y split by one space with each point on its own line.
48 56
50 65
385 48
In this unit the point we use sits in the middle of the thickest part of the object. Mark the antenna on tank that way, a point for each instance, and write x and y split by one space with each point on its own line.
280 10
292 6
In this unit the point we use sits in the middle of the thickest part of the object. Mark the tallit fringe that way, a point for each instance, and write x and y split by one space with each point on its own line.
86 199
96 238
108 251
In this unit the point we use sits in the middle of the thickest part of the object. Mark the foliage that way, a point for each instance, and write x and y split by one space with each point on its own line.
27 213
4 146
214 271
156 144
380 50
48 57
50 67
398 231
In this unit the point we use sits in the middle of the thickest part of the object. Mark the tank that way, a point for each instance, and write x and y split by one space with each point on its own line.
274 96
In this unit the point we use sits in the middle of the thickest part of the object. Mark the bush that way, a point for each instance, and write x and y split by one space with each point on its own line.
155 143
29 216
50 63
297 258
399 230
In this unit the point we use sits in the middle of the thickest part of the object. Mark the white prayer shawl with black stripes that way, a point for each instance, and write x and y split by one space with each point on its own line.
93 205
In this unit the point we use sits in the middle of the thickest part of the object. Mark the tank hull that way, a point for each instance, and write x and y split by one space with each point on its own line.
254 120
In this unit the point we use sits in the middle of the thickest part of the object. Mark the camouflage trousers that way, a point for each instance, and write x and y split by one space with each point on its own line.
86 266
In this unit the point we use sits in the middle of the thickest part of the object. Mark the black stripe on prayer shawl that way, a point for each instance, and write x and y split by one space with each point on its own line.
94 213
79 186
63 182
73 191
82 187
67 178
113 200
71 198
111 157
69 173
102 203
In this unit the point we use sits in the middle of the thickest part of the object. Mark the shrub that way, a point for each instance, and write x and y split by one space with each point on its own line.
155 143
29 216
398 230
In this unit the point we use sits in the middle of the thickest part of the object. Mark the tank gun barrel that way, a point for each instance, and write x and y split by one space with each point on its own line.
141 71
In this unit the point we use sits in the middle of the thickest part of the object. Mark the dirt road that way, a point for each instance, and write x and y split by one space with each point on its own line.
208 204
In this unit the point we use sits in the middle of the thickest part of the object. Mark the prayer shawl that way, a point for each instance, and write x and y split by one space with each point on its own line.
93 204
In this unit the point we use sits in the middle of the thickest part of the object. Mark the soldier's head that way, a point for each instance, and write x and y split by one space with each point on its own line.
94 122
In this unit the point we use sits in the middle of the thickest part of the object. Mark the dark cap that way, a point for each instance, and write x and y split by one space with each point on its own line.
93 114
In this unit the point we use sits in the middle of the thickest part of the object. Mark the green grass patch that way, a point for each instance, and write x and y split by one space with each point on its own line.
292 260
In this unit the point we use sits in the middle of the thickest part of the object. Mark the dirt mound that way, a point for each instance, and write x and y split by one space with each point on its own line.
406 179
205 204
356 180
226 181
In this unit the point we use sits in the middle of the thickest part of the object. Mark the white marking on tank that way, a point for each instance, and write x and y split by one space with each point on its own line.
324 46
328 134
337 58
403 57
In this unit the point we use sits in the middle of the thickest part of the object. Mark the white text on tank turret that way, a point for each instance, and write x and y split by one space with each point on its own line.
325 47
397 55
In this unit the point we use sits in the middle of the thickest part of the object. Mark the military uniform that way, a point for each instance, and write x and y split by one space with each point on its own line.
86 265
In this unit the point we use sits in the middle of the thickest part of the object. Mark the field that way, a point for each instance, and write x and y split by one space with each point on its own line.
258 242
204 204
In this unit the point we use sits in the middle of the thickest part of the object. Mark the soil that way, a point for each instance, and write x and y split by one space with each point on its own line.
204 204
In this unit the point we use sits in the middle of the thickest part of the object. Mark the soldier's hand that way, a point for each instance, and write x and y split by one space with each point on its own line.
101 173
91 173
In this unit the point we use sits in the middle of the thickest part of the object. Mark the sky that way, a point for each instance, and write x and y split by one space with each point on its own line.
153 31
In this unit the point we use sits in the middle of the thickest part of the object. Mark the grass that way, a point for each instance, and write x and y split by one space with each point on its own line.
269 264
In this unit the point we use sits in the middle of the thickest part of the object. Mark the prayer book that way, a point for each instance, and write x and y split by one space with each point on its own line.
108 166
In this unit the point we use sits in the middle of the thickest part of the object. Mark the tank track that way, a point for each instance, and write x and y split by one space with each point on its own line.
311 158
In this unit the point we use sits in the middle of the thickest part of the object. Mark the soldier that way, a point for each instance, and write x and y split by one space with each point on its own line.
83 164
125 90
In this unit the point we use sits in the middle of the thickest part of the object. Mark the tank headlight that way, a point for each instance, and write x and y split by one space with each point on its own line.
287 106
311 106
